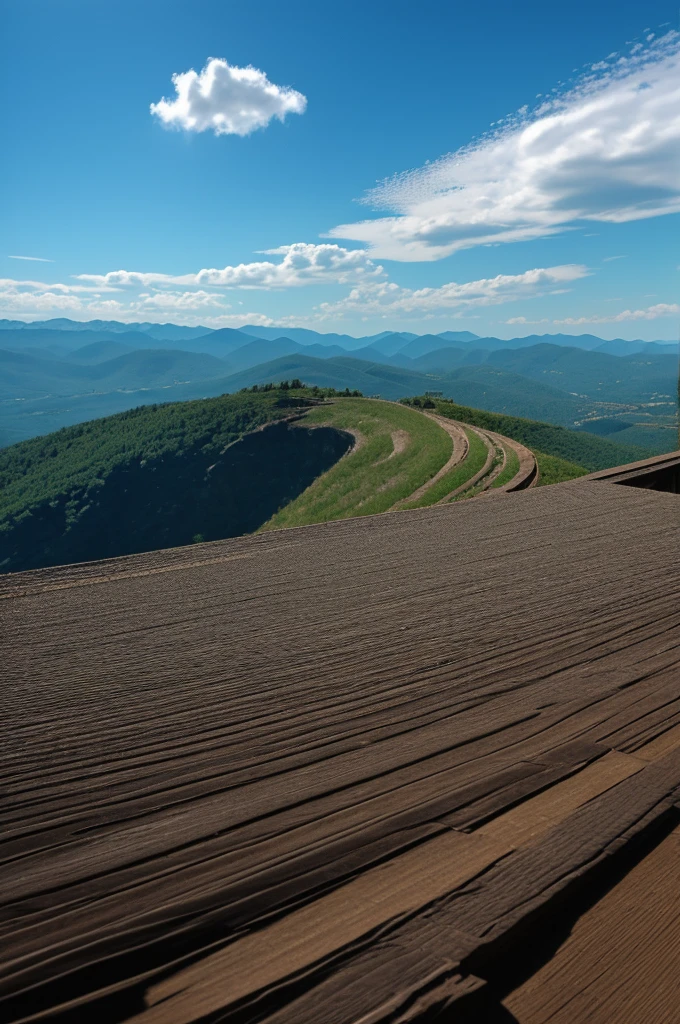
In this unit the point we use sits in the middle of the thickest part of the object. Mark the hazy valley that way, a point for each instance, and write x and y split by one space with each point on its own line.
59 373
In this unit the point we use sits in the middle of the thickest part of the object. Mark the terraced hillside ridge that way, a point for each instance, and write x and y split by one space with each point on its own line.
405 458
362 771
578 447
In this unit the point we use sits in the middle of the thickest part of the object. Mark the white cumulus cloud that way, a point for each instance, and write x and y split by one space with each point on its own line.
650 313
385 298
33 299
606 150
303 263
227 100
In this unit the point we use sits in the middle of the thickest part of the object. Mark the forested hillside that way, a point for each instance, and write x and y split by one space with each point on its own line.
157 476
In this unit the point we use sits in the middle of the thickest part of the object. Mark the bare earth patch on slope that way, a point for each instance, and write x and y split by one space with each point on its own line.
400 438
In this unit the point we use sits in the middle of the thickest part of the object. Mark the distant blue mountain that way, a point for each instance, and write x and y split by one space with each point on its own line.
389 344
430 343
161 332
457 336
303 336
99 351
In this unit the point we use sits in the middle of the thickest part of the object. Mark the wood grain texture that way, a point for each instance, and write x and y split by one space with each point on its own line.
308 775
620 963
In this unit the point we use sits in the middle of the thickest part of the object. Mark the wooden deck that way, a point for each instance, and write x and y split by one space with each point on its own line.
365 771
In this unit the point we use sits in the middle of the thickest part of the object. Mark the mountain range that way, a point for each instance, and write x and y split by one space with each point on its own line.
384 342
60 372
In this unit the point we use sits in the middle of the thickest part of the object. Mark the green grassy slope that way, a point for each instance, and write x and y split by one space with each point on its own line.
509 471
375 475
456 477
576 447
553 470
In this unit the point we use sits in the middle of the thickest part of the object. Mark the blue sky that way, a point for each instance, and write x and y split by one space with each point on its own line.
563 218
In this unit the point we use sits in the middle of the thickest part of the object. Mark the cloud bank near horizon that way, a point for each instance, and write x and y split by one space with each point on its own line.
606 150
204 295
302 264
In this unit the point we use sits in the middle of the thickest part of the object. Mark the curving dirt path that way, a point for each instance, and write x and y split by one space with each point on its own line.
527 475
474 480
458 455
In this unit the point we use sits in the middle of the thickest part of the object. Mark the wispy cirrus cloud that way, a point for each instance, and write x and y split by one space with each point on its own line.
32 259
606 150
226 100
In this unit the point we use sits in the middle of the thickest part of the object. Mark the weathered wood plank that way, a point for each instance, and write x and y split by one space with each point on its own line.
209 741
620 962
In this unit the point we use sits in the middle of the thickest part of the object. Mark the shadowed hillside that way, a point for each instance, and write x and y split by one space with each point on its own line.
157 477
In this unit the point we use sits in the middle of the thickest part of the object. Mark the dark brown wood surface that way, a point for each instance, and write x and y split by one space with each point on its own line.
323 774
620 964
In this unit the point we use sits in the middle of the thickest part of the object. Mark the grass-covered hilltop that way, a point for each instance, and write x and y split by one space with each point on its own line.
269 457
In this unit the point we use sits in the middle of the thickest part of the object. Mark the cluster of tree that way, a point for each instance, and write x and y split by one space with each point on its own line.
297 385
284 385
575 446
420 403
